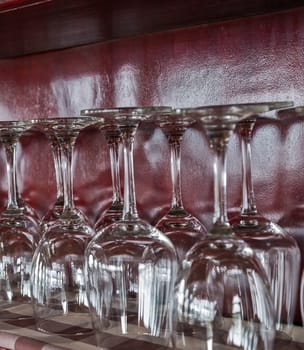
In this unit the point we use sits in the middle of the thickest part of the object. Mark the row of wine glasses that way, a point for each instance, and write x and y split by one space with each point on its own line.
143 281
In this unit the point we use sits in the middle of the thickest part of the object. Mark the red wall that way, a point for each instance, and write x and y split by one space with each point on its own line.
248 60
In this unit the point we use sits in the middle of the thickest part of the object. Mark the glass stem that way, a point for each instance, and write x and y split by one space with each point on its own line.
129 206
113 145
248 207
66 152
58 170
175 161
220 219
10 150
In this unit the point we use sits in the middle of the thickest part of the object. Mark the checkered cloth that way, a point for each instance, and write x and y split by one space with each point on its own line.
22 335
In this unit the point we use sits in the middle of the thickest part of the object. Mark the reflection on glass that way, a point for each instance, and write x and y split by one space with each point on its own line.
223 295
183 228
130 265
275 248
293 220
19 232
58 286
114 212
48 127
113 137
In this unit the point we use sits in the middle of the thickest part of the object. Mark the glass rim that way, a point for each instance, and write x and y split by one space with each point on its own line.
56 123
233 113
294 112
54 119
239 110
244 108
127 112
14 123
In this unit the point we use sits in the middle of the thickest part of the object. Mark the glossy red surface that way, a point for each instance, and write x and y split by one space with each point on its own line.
28 26
246 60
10 5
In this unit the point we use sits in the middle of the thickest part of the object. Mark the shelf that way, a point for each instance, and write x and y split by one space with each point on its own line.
23 335
28 26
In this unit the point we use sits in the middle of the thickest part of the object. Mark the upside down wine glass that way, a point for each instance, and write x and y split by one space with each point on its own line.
114 212
113 137
10 135
276 249
48 126
19 232
130 265
223 294
54 212
183 229
23 205
58 286
293 221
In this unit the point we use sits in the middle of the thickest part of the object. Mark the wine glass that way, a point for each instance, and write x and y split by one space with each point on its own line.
46 126
58 287
19 232
130 265
23 205
10 135
114 212
113 137
293 220
183 229
275 248
223 294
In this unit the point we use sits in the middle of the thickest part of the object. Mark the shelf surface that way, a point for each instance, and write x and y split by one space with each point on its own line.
19 335
29 26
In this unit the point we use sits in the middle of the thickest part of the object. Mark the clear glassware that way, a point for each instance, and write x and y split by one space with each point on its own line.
28 210
23 205
293 221
276 249
301 299
130 265
11 132
58 286
183 228
46 126
114 212
19 232
223 296
113 137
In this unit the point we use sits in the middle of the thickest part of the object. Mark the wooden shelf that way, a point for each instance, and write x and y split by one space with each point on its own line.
29 26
